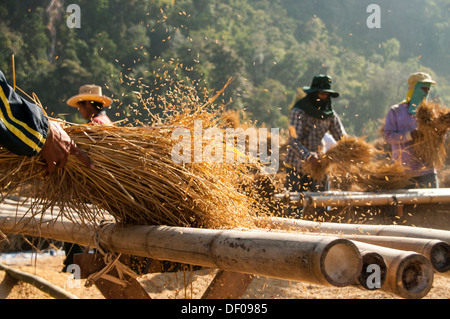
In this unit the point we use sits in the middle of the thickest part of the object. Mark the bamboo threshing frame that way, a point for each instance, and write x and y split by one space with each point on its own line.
274 250
434 244
261 253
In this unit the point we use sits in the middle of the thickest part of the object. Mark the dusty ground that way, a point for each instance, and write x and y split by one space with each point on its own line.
191 285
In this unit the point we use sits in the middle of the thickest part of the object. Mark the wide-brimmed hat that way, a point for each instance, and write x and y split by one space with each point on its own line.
321 83
90 93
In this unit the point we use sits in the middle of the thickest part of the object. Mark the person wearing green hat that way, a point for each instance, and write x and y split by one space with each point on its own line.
310 119
400 131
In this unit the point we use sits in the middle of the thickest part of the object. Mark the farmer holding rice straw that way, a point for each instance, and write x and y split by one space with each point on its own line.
310 118
401 132
90 102
26 130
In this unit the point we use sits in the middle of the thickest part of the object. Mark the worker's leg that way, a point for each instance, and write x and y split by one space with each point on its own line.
293 184
70 250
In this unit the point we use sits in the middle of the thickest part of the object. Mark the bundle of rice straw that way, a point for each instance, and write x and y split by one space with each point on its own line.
348 151
135 179
433 122
380 175
357 162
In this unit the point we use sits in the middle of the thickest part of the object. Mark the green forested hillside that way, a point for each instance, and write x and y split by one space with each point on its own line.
270 48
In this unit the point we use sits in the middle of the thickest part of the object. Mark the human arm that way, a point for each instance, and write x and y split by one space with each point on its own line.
296 123
26 130
59 146
398 128
336 129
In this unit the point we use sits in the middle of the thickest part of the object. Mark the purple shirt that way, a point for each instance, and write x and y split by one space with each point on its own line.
399 124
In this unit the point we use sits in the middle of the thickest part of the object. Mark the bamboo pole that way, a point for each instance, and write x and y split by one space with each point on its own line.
339 199
369 259
45 227
409 274
326 261
436 251
353 229
285 256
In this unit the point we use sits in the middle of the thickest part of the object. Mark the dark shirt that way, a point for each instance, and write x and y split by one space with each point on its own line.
310 132
23 125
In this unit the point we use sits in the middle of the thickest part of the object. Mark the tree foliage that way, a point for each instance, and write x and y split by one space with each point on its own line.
270 48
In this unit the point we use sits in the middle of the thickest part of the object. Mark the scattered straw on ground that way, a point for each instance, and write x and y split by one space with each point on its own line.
192 285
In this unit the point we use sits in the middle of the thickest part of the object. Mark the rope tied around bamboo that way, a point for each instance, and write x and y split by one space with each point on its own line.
112 262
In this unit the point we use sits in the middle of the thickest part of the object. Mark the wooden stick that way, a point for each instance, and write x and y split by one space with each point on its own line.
228 285
38 282
14 73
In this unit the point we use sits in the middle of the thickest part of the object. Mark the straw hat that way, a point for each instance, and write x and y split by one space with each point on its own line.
89 93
